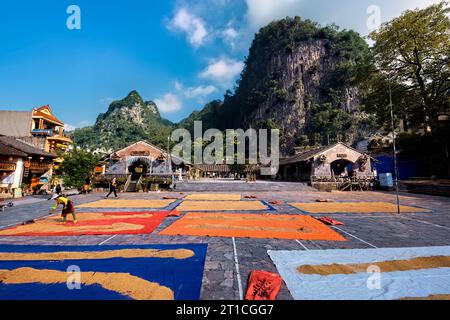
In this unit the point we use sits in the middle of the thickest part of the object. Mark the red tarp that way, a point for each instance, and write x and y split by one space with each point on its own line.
263 285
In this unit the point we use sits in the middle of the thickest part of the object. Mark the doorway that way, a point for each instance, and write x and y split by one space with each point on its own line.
342 168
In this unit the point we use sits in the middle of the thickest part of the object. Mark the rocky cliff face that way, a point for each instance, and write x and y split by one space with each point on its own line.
302 79
132 108
299 79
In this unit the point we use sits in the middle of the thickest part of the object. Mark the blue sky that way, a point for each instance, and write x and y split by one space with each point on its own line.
178 53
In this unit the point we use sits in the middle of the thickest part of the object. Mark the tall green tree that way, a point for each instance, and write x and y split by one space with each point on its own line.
77 166
328 123
413 51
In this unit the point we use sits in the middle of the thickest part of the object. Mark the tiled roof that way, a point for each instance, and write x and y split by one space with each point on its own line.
304 156
40 113
5 150
24 147
307 155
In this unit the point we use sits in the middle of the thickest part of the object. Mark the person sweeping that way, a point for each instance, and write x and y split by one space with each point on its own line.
68 207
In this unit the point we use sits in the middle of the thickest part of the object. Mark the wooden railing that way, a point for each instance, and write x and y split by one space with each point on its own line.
7 166
38 166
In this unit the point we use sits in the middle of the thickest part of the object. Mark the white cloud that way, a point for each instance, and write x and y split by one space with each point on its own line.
201 91
69 127
346 13
192 25
168 103
222 70
195 92
229 35
261 12
178 86
81 124
106 100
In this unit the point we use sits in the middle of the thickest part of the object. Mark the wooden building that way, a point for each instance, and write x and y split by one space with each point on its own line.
336 166
214 171
38 127
22 164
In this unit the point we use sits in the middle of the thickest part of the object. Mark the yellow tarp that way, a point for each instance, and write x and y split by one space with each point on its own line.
124 204
214 197
221 206
354 207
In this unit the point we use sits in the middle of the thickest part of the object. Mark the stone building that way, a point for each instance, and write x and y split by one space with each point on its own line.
333 166
141 160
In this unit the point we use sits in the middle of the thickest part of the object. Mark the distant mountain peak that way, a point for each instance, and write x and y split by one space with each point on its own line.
127 120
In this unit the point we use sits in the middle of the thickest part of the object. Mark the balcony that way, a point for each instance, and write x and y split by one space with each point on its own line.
60 139
42 132
38 166
7 166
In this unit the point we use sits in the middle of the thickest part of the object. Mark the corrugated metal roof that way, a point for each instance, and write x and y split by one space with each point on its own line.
15 123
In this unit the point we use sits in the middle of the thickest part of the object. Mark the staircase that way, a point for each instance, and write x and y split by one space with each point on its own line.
133 183
239 186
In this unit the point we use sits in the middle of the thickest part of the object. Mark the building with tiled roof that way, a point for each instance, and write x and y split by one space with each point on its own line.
21 164
39 127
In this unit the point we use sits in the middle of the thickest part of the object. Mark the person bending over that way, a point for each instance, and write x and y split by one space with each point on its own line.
68 207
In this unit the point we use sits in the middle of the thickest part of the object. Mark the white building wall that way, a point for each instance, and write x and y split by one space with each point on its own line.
14 180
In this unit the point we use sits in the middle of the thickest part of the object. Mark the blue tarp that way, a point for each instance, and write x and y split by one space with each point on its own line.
406 168
182 276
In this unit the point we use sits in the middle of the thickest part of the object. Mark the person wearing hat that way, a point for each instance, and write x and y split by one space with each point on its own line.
68 207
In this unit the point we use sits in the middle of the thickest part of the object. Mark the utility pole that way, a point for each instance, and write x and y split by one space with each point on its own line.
394 148
169 164
168 157
448 161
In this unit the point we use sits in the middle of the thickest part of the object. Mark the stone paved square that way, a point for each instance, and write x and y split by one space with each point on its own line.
229 261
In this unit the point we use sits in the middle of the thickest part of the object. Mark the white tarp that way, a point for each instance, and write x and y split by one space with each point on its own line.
360 286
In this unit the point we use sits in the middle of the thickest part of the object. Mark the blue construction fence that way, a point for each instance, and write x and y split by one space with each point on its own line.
406 168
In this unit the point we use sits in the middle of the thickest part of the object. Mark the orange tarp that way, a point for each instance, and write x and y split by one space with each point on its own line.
354 207
252 226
